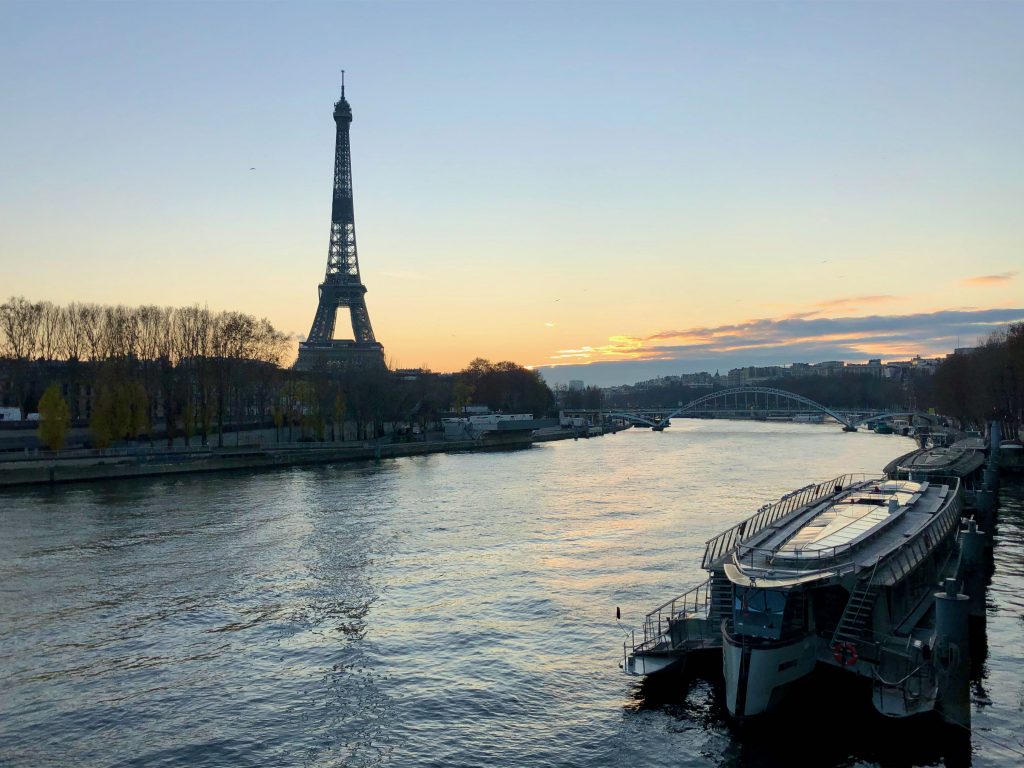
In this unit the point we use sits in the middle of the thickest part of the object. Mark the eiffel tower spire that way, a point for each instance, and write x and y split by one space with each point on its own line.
342 287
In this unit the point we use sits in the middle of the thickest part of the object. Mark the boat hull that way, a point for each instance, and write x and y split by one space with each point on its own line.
642 664
756 678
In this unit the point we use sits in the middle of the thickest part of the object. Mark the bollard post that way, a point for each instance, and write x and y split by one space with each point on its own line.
951 654
972 567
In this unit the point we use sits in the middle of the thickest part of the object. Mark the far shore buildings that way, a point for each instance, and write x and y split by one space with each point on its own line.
897 370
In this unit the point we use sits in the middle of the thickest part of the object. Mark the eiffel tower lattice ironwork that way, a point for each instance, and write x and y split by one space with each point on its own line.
342 287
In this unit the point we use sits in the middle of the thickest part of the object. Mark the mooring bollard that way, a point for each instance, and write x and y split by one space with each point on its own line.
951 617
952 651
972 567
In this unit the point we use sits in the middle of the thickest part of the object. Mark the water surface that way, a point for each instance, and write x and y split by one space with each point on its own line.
448 610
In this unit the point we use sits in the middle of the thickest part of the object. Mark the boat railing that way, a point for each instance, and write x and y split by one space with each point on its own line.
726 542
916 548
798 561
909 672
895 566
656 623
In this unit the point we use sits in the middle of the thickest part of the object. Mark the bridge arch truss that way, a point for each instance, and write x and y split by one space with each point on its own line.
768 392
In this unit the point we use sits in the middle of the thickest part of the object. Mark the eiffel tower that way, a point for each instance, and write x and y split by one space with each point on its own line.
342 287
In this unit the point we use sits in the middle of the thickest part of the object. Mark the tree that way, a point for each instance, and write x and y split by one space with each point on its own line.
340 407
188 422
462 395
593 398
507 386
278 414
20 325
136 403
54 418
110 418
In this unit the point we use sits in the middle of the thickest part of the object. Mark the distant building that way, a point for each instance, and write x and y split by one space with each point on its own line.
741 377
902 369
702 379
829 367
407 374
870 368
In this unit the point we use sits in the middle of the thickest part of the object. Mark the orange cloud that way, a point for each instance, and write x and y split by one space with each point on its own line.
844 336
1002 277
618 348
852 301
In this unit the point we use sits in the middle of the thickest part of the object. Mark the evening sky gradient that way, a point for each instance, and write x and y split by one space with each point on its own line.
692 186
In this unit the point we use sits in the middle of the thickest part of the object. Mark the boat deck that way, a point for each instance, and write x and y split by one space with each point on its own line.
961 459
851 530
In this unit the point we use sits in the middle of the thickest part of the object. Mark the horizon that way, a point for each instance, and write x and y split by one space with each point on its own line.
716 186
610 374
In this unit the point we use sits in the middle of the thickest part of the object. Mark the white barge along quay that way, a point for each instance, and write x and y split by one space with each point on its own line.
859 573
965 460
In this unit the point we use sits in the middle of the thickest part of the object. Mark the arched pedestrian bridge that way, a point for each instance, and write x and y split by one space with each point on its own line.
762 401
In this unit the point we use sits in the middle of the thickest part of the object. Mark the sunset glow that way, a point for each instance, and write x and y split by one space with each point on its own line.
718 186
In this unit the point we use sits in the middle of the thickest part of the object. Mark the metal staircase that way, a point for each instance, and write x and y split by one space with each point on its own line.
857 613
721 598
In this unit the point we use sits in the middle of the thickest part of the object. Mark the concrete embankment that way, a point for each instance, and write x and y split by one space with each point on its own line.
557 433
83 465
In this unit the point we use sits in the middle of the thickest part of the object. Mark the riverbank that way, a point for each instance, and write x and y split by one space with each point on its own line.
79 466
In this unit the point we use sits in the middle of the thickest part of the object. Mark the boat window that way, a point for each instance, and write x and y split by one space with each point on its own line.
760 600
759 612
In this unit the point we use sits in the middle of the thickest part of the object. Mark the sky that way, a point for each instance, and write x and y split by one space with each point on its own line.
606 191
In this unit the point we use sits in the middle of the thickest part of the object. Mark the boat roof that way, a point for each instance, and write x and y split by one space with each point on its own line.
847 531
851 518
960 459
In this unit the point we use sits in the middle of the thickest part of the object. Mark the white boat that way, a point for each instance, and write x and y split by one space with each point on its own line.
482 425
809 418
903 427
834 586
841 573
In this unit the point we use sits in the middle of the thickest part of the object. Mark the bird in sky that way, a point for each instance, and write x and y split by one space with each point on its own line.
252 169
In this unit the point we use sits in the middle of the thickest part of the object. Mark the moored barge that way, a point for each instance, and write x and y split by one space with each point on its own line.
843 573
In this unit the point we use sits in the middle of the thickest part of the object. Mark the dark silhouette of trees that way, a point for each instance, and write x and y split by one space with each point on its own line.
507 387
986 383
136 372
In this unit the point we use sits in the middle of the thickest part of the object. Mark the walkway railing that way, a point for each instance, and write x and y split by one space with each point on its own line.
916 549
656 623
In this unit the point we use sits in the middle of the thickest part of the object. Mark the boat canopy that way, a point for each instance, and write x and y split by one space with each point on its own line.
851 519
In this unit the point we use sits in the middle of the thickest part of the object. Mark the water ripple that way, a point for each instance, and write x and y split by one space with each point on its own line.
447 610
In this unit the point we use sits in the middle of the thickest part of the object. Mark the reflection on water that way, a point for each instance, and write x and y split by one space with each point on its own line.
827 720
442 610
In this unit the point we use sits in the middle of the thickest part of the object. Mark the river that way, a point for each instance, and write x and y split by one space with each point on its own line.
444 610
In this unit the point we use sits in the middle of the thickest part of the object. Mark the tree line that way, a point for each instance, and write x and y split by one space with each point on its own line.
84 332
984 384
138 372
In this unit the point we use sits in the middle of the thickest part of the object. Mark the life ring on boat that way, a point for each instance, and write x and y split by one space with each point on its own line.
845 654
